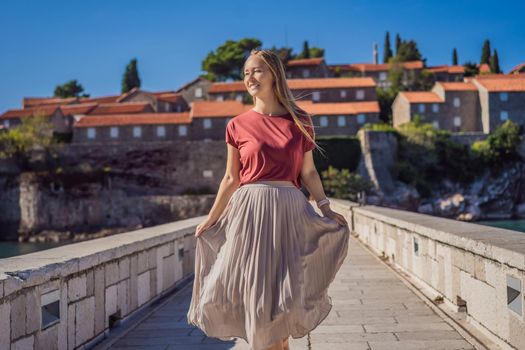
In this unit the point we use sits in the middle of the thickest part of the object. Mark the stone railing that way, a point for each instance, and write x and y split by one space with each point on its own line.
474 268
70 296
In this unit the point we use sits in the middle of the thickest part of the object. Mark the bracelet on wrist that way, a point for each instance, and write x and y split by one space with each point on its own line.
322 202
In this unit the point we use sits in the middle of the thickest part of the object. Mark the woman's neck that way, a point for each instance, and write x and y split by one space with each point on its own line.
270 106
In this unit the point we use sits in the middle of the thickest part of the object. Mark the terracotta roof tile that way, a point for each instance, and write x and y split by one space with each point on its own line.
339 108
371 67
457 86
134 119
28 112
518 69
507 83
217 109
306 62
300 84
421 97
122 108
80 108
447 69
28 102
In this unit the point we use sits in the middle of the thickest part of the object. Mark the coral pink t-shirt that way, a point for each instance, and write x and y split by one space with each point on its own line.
270 147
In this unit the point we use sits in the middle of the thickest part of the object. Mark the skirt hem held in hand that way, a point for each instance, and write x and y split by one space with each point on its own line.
263 269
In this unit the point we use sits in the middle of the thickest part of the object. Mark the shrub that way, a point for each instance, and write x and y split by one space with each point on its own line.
343 184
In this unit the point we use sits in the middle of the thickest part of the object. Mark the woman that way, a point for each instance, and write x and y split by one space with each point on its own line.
264 257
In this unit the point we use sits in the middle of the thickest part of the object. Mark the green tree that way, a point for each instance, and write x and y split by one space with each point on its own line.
485 53
494 63
316 52
398 42
387 50
131 78
408 51
34 133
70 89
454 57
306 50
284 53
343 184
227 60
471 69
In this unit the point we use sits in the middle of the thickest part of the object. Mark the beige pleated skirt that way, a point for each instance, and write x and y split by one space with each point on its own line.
263 269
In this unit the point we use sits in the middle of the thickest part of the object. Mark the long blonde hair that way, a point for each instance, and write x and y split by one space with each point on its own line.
284 94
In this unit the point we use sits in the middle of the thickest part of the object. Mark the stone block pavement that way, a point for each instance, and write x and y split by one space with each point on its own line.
373 309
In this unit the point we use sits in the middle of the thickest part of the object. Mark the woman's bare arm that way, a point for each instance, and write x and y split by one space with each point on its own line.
311 180
229 183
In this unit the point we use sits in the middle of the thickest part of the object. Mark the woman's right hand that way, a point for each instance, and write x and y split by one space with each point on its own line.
203 226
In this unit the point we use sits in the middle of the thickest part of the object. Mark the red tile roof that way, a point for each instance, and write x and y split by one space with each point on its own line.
169 97
81 108
484 68
447 69
305 62
371 67
300 84
457 86
102 99
122 108
507 83
339 108
217 109
28 112
28 102
134 119
421 97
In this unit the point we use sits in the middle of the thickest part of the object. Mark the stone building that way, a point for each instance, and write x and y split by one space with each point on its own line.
61 123
478 104
307 68
315 90
446 73
502 98
162 102
209 118
133 127
379 72
195 90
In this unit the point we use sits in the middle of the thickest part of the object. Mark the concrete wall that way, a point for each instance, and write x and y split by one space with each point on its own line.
95 282
467 264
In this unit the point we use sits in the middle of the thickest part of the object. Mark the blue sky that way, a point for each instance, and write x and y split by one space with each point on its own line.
45 43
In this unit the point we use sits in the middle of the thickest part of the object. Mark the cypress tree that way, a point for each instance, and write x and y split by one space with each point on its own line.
398 43
131 78
494 63
387 50
485 52
454 57
306 50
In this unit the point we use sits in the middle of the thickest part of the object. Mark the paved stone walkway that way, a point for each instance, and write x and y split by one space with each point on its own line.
372 310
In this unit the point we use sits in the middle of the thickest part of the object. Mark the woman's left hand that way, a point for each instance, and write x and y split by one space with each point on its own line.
329 213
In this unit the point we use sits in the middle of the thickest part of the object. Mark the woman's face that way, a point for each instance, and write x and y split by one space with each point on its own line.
258 78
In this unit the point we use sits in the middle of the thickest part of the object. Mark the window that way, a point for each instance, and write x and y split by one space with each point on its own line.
166 107
306 73
238 97
161 131
360 118
323 121
207 123
137 131
343 93
198 92
503 115
435 124
220 98
341 120
183 130
435 107
360 94
113 132
503 96
316 95
382 76
178 108
421 108
6 123
91 133
457 121
457 102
